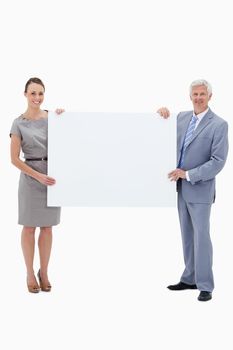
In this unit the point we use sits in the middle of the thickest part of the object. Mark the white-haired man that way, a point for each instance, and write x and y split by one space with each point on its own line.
202 147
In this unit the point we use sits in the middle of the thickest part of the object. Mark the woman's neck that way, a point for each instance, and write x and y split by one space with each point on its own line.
32 113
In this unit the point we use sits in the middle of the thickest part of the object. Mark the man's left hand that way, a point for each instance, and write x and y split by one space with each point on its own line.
177 174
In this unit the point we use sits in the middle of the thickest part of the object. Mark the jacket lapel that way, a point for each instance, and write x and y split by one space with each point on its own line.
183 130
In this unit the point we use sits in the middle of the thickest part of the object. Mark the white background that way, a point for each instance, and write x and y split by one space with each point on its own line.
110 267
114 159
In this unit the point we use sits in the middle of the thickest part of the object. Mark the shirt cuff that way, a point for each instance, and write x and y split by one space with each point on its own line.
187 176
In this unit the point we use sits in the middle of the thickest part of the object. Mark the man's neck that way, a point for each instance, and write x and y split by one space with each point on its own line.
197 112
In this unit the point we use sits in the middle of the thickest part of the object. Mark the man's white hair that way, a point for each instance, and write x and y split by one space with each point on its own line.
201 82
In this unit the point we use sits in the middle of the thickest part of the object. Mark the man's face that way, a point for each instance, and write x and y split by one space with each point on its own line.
200 98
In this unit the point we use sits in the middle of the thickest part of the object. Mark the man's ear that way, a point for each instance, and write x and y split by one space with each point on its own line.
210 96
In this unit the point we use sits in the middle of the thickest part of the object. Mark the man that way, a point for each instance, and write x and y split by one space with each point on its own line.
202 147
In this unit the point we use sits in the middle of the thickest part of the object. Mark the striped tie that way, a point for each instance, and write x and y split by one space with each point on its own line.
187 139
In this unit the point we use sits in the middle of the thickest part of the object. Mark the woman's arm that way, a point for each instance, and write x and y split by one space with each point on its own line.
16 161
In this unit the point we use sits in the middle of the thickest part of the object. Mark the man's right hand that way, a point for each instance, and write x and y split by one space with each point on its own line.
164 112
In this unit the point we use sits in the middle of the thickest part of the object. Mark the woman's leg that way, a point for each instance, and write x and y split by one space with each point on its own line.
45 245
28 247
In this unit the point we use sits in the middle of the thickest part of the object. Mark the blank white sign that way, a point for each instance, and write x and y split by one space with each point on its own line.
111 159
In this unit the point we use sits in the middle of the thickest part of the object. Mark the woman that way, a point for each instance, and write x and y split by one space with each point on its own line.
29 133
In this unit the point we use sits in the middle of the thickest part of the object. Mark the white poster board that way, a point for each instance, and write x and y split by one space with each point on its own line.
111 159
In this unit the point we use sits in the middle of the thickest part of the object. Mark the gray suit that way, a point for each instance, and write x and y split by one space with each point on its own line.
204 158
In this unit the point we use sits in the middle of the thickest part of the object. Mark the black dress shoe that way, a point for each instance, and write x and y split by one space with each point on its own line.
205 296
182 286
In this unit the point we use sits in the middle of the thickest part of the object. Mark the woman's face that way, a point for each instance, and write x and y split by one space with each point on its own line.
34 95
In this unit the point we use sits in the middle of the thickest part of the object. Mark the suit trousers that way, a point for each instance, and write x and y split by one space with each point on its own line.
197 247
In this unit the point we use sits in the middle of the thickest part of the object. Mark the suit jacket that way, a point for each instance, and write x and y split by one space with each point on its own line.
205 155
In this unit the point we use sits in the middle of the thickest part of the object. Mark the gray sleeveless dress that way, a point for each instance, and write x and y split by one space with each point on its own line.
32 195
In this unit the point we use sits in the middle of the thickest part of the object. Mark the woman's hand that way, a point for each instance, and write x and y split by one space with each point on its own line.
164 112
45 179
59 110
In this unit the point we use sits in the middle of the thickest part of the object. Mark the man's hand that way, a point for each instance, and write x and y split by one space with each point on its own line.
164 112
177 174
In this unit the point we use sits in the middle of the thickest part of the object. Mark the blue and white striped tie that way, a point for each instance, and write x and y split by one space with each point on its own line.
187 139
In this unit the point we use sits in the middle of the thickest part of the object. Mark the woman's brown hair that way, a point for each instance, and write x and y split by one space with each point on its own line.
33 80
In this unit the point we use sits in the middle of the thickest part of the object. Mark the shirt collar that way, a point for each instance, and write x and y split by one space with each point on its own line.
201 115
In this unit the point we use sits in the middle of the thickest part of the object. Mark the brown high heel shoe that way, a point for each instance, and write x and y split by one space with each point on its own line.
33 288
44 287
